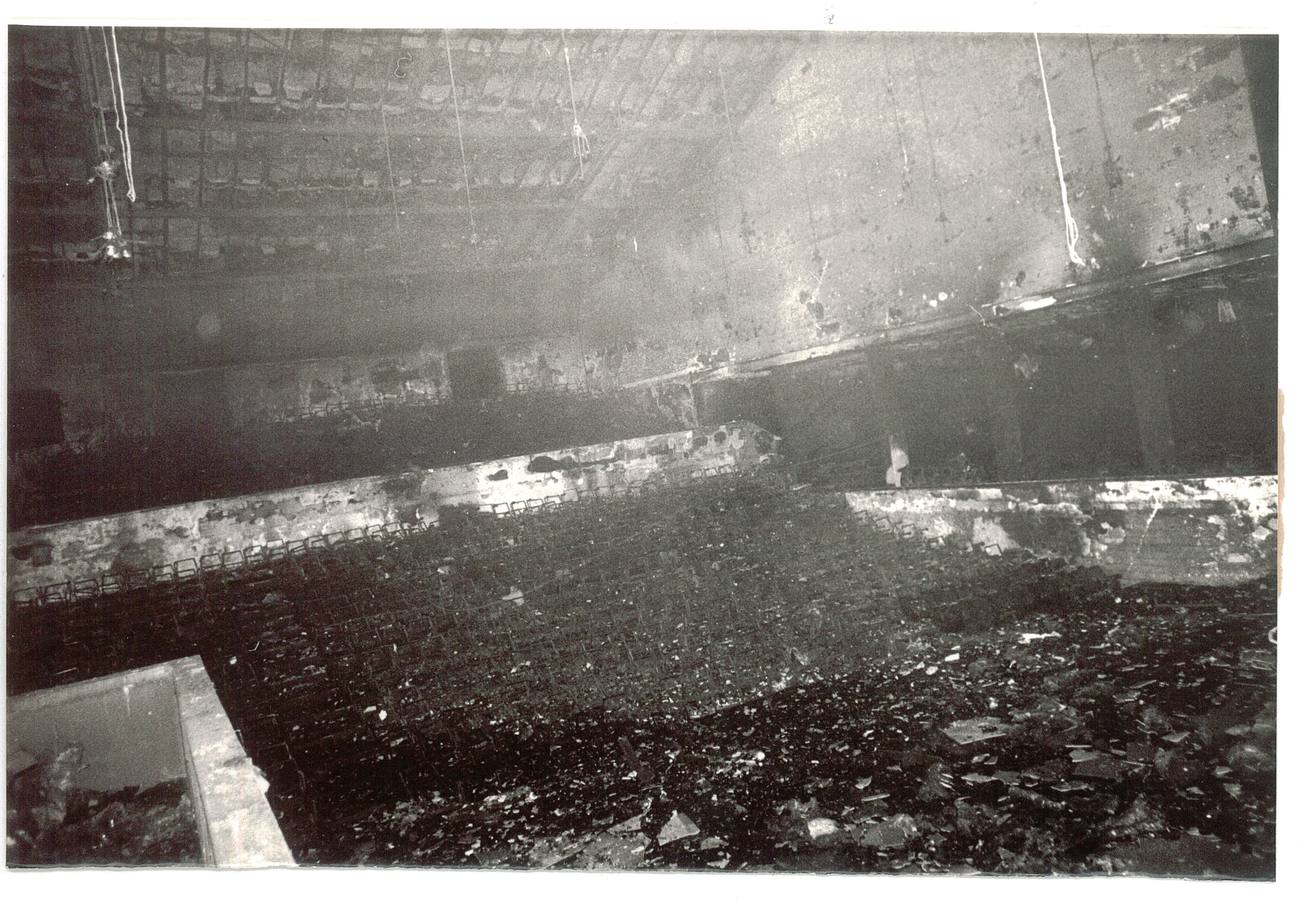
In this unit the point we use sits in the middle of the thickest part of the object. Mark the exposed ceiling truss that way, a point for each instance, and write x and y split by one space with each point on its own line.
260 150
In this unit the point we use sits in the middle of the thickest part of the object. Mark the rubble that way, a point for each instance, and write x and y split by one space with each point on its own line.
52 821
677 828
972 731
888 834
1129 722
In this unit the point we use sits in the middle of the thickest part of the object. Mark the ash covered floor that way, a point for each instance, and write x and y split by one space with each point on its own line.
731 673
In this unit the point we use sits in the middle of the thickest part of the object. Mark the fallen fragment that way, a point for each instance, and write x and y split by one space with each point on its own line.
630 825
819 828
888 834
677 828
971 731
612 851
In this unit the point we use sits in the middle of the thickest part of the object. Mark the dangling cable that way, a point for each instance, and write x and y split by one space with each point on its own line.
460 139
579 140
734 142
120 108
99 126
111 207
104 170
123 104
1070 224
392 185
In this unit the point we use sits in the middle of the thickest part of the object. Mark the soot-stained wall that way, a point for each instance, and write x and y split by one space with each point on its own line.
882 179
1197 531
99 401
102 320
142 539
890 179
1172 382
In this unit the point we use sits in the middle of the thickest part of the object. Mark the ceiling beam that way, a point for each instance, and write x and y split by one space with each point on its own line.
371 272
282 63
204 138
164 152
535 244
318 210
607 165
495 129
727 136
242 42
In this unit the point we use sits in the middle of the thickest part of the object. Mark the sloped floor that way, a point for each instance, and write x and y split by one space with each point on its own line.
1138 737
734 673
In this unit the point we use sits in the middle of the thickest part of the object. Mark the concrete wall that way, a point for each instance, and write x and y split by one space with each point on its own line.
149 725
98 402
139 540
895 179
1198 531
97 324
915 170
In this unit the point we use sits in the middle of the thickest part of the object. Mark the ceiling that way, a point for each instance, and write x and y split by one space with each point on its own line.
287 152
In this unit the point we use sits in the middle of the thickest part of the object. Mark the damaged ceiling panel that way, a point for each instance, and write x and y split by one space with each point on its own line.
276 150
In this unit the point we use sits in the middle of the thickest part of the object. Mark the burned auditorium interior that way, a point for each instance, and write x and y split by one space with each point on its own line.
642 449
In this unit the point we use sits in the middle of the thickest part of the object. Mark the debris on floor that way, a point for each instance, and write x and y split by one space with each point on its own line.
972 731
53 822
779 696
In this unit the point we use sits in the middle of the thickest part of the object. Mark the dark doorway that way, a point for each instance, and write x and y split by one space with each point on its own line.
475 373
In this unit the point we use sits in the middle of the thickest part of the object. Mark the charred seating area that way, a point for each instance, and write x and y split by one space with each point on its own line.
741 650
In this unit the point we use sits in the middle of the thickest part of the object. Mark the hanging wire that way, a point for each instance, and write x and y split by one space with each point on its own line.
392 184
104 170
894 108
113 227
802 166
1070 224
103 145
460 139
120 106
579 140
734 139
943 217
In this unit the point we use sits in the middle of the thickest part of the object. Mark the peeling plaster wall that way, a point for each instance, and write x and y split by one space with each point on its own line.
159 402
1198 531
99 324
139 540
879 180
894 179
96 405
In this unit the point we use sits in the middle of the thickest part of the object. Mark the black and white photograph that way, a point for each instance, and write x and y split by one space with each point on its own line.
537 446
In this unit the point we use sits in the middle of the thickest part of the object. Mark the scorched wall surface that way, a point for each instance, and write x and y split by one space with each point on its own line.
896 178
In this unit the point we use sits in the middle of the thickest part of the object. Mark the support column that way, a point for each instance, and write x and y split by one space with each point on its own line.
777 401
698 400
1003 391
1134 325
887 409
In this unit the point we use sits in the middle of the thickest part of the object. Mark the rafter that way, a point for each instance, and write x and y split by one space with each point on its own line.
164 152
539 242
204 140
282 64
366 272
491 129
602 169
241 118
505 142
